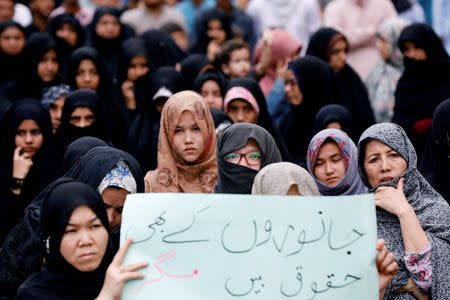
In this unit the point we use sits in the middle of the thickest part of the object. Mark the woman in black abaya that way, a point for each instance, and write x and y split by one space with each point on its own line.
12 42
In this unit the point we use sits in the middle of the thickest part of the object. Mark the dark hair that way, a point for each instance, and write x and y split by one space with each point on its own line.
224 55
172 27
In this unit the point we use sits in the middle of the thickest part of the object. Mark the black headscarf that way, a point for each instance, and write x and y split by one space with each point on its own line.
201 29
221 120
213 75
401 5
191 67
355 96
435 166
319 86
335 113
264 118
12 65
430 208
162 49
144 131
63 48
116 114
109 49
130 49
61 280
237 179
11 208
29 84
77 149
424 84
22 252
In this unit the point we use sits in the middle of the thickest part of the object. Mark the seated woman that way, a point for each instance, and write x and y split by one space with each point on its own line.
411 216
284 178
335 116
333 164
78 249
242 150
186 148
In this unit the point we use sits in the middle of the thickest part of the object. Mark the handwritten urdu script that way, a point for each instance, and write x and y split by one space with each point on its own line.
207 247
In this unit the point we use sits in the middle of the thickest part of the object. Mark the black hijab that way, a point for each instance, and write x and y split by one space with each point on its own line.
144 131
335 113
264 118
435 166
401 5
424 84
116 114
109 49
191 67
29 84
64 49
355 96
12 65
237 179
213 75
61 280
22 252
319 86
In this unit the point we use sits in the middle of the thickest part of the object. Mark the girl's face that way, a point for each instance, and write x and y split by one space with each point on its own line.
242 112
215 31
212 94
414 52
138 67
87 76
329 167
108 27
48 67
382 163
85 239
384 48
67 33
187 139
82 117
29 137
248 156
338 56
55 110
12 41
292 89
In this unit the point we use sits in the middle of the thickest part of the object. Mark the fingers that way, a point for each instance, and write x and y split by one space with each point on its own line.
381 256
118 259
17 152
135 267
400 184
132 275
388 260
380 244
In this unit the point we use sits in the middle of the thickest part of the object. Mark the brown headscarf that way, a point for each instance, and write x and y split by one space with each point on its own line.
173 174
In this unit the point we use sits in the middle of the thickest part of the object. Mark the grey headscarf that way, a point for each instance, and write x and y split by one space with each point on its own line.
277 179
351 184
237 179
431 210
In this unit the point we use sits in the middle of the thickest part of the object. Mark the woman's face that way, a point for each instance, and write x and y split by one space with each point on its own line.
108 27
382 163
85 239
248 156
292 89
384 48
138 67
29 137
48 66
242 112
12 41
68 33
338 56
413 52
87 76
212 94
215 31
55 110
329 167
187 139
82 117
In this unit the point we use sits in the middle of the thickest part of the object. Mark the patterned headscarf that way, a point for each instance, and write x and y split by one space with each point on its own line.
52 93
351 184
120 176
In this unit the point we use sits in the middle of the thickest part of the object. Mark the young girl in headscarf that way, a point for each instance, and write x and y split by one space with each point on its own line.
12 42
383 78
242 150
411 216
335 116
29 131
186 147
333 163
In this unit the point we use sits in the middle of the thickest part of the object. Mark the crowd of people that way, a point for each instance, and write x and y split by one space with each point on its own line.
104 98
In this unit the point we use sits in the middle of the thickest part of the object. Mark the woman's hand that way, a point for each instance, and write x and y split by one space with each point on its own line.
393 200
21 164
116 275
128 94
212 50
386 265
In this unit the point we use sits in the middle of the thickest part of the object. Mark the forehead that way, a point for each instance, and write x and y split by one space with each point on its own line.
328 148
28 125
82 214
239 103
375 146
251 145
82 110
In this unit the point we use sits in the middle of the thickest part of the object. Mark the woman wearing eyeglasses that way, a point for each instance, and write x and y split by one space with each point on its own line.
186 147
242 150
